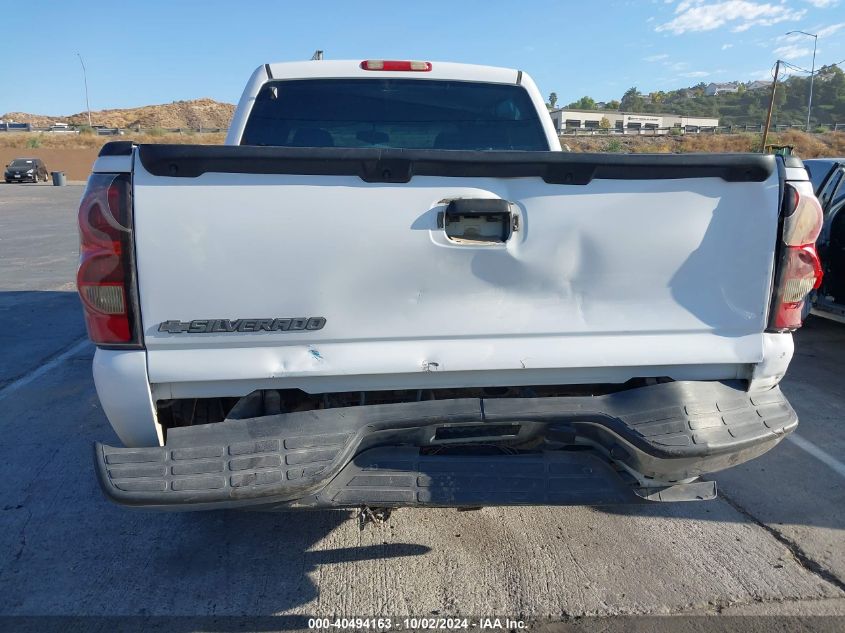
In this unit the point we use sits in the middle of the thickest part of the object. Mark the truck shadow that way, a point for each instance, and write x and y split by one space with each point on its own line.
803 512
262 560
34 324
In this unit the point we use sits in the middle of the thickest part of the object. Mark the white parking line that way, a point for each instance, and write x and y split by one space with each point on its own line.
43 369
819 454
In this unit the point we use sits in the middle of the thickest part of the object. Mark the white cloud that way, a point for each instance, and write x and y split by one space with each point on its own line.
676 67
792 51
762 75
727 46
788 39
705 15
823 4
830 30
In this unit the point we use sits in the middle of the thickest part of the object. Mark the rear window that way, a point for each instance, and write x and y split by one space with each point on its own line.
396 113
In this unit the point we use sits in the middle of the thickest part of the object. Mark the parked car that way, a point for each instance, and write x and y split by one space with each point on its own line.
828 178
26 169
391 288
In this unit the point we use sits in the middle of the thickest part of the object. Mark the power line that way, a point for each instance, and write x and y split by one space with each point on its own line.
798 68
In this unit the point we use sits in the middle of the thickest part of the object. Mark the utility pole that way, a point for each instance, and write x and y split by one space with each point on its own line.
771 107
85 79
812 71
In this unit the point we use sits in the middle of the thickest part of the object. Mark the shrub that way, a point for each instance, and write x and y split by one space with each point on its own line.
613 145
33 142
156 131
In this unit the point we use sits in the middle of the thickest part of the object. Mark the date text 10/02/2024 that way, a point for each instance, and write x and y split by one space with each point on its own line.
413 623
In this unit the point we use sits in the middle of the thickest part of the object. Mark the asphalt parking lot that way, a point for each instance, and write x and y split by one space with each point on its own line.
774 542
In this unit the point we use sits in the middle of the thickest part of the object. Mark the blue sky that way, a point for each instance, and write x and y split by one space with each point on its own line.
139 53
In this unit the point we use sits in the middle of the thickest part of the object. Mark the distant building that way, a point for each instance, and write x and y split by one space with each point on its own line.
625 121
758 85
714 89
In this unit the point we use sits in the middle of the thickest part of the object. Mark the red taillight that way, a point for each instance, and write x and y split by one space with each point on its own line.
408 66
803 225
104 279
799 270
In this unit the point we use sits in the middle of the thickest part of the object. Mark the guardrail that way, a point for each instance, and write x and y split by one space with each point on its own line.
696 129
110 131
660 131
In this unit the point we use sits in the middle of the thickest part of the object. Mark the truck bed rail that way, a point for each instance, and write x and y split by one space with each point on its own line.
400 165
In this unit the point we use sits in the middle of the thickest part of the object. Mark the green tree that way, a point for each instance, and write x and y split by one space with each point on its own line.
587 103
584 103
552 100
632 100
749 106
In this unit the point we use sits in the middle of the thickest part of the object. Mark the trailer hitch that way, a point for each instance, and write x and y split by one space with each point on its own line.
377 516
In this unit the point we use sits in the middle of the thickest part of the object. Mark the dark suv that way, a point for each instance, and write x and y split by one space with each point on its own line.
26 169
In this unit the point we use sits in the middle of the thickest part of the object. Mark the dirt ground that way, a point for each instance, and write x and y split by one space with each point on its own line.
76 163
805 145
75 154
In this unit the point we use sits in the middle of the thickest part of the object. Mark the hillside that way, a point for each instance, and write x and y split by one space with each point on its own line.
746 106
206 113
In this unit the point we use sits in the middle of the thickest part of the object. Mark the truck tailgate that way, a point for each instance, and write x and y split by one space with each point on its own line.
648 271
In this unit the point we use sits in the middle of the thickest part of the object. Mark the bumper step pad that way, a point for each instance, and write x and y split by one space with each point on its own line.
403 477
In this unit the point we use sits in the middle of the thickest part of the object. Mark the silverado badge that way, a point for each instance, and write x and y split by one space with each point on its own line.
224 326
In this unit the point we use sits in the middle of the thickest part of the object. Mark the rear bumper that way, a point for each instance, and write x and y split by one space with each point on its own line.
548 451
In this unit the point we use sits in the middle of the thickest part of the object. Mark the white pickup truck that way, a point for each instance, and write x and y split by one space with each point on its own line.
391 288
